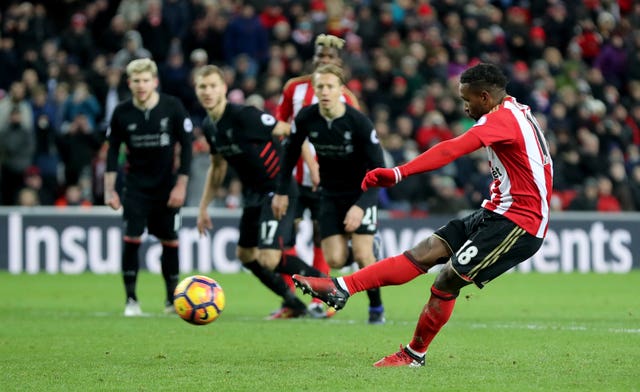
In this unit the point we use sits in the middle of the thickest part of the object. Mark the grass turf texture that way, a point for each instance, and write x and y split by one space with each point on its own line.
521 333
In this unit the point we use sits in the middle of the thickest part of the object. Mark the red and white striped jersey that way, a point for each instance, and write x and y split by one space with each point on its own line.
298 93
520 163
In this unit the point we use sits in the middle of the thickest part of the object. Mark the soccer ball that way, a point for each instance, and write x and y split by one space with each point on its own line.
198 299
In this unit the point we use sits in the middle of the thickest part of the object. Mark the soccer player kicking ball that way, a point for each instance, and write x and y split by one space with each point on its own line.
508 229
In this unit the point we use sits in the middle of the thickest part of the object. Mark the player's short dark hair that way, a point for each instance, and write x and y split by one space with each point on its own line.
484 76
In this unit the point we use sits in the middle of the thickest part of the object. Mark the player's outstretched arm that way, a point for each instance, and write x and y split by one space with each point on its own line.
437 156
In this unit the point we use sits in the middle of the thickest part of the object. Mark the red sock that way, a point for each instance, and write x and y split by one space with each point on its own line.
287 278
435 314
319 262
321 265
386 272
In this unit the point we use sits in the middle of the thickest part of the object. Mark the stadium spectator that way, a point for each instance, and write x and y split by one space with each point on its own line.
72 197
17 146
77 40
77 148
155 32
132 49
245 35
27 197
564 41
45 190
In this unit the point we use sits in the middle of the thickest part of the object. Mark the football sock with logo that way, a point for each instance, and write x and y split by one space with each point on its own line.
434 316
170 269
294 265
386 272
130 267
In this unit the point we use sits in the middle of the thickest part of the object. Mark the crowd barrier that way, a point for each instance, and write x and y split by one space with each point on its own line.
77 240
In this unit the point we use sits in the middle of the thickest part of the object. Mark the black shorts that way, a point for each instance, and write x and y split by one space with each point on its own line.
486 244
307 200
259 228
333 209
159 219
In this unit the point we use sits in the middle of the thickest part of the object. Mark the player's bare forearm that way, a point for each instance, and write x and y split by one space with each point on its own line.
111 197
211 185
179 192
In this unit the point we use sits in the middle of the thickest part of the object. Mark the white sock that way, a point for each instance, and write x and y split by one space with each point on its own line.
414 352
342 284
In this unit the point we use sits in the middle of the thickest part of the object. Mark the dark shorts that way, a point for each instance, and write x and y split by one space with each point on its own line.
333 209
307 200
486 244
140 212
259 228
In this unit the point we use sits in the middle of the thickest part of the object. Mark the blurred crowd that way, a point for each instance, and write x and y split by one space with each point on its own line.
575 62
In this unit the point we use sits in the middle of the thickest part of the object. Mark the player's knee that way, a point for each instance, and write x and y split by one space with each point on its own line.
269 258
364 256
430 252
449 281
334 262
246 255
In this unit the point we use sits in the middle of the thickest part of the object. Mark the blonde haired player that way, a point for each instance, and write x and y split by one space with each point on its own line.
151 125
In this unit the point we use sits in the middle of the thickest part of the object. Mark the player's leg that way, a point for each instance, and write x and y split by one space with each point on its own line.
277 235
390 271
248 253
362 245
310 200
134 221
164 223
486 245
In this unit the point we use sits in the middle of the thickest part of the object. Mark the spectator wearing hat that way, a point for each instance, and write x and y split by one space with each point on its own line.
155 32
110 40
45 193
77 40
536 43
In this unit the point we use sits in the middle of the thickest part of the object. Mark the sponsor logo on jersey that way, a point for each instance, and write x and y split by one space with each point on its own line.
132 127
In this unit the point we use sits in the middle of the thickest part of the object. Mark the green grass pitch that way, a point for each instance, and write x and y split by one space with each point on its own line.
523 332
